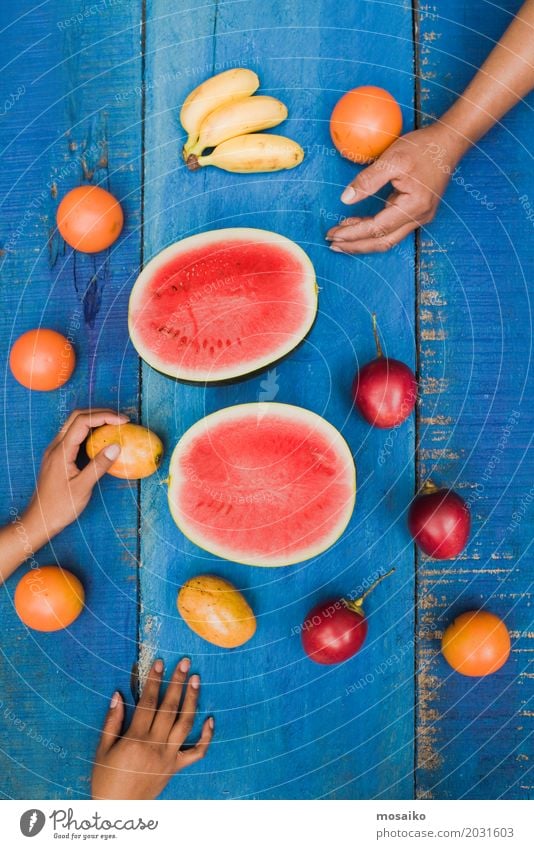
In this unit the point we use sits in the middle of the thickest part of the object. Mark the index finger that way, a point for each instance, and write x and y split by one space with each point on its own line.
384 222
73 415
79 429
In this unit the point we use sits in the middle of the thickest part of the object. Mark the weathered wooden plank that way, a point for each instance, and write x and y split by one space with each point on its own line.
287 728
476 423
76 118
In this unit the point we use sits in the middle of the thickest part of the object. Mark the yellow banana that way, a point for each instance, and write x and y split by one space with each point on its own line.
238 118
250 154
222 88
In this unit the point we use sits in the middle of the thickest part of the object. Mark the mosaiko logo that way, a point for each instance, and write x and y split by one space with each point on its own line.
32 822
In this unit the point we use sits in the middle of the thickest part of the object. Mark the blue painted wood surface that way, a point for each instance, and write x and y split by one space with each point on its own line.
285 728
475 426
67 127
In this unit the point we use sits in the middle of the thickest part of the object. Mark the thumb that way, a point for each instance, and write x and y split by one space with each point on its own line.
369 181
98 467
112 724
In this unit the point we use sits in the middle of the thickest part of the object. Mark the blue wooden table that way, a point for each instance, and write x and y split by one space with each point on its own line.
91 93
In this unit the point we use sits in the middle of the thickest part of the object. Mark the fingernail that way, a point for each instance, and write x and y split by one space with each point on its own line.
184 664
158 666
211 723
349 195
329 238
195 681
114 700
112 451
335 248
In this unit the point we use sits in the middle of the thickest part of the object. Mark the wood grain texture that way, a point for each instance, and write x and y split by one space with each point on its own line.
475 426
287 728
68 126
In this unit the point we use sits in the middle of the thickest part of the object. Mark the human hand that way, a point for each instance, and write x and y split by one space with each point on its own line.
419 166
63 491
141 762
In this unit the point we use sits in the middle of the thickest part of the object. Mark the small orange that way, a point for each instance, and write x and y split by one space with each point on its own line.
49 598
477 643
42 359
365 121
90 219
141 449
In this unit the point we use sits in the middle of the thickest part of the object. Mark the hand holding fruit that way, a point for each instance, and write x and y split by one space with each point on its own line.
63 491
141 762
419 166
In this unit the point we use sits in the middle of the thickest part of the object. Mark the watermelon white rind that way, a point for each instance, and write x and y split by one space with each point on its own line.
222 304
264 484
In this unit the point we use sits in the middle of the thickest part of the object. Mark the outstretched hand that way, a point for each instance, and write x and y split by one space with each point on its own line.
139 763
418 166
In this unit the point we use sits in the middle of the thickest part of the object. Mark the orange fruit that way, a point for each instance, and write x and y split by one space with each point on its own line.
89 219
476 643
365 121
49 598
42 359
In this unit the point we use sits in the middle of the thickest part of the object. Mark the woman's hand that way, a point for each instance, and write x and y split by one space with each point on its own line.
419 166
139 764
63 491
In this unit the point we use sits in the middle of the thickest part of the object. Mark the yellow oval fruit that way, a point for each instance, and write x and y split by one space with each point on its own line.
141 449
216 611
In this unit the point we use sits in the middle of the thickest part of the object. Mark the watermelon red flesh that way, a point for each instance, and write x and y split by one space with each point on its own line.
223 304
262 484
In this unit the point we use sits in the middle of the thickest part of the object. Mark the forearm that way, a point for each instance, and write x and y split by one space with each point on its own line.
18 542
504 79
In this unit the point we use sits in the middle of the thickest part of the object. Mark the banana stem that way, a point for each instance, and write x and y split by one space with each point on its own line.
189 145
192 162
377 338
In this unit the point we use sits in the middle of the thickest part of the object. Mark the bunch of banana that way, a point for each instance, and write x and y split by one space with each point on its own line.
223 114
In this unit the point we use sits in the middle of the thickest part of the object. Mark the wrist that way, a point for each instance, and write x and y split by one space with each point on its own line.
34 531
455 134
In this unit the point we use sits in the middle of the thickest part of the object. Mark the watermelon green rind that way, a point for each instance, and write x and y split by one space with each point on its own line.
261 410
305 300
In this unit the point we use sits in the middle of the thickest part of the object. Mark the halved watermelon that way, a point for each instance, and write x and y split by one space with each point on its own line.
222 304
264 484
